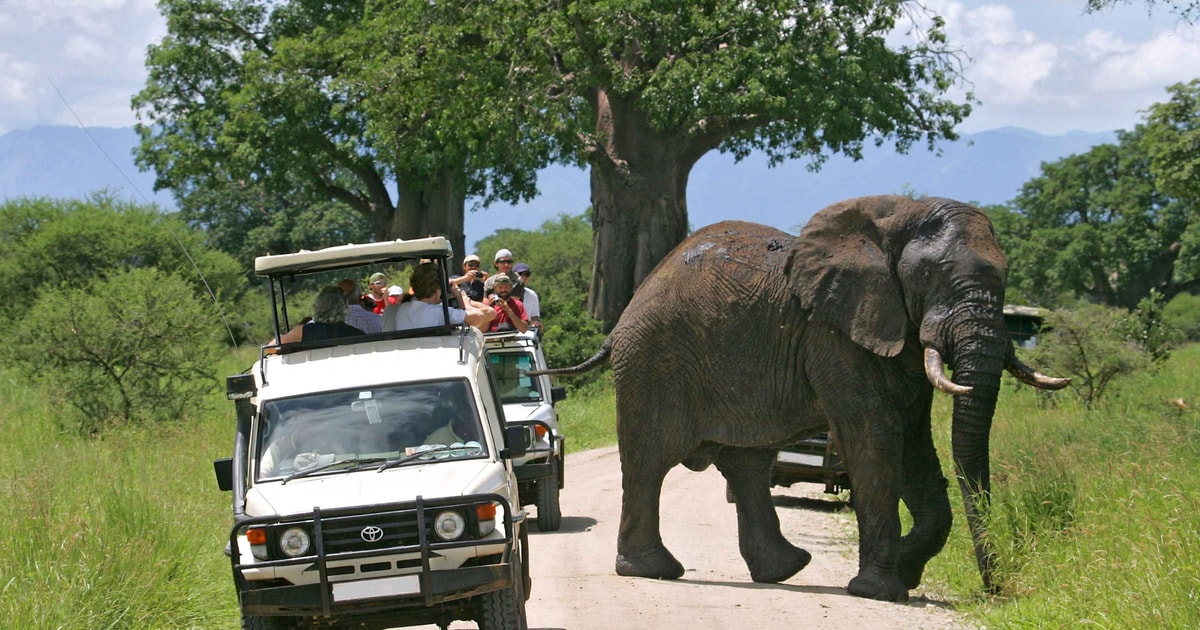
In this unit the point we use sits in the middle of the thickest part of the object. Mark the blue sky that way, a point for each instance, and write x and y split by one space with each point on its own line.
1039 64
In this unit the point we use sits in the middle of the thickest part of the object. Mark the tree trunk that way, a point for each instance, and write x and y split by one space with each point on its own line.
430 206
639 206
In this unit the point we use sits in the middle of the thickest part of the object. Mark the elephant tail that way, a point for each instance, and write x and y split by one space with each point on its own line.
597 360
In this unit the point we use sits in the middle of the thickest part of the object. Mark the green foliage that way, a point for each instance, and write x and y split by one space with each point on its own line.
559 256
1096 512
1171 139
135 346
1183 314
48 245
1093 345
125 531
1147 327
1094 226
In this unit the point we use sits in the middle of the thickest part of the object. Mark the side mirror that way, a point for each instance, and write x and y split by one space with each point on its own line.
557 394
514 437
224 471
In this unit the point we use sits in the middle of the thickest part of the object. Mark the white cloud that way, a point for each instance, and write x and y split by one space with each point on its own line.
92 50
1055 80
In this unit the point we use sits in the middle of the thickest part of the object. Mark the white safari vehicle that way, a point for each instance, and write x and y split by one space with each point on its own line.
529 403
353 505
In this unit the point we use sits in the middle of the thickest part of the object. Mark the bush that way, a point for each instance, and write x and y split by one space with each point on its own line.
1183 313
136 346
1092 345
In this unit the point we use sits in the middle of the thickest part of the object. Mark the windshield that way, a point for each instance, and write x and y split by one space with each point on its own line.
509 370
380 423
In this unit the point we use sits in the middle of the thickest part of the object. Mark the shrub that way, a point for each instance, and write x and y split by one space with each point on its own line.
1183 313
1092 345
136 346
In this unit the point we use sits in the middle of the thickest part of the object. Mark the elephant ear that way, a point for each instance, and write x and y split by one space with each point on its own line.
840 272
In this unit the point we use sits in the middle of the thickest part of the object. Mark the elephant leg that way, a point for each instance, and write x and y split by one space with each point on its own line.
640 550
768 555
925 495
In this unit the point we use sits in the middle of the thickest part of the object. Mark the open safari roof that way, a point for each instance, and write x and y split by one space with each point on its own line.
305 261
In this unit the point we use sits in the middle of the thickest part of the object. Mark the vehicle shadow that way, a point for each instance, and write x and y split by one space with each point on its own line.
569 525
808 503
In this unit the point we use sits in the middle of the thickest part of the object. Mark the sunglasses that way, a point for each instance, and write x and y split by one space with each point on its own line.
524 274
503 262
472 264
379 283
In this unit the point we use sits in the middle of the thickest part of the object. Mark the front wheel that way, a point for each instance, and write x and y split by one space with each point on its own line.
268 623
549 509
505 610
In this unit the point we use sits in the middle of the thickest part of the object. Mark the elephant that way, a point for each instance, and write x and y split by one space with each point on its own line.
745 338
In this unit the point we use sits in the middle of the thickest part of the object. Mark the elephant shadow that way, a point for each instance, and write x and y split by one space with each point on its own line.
917 601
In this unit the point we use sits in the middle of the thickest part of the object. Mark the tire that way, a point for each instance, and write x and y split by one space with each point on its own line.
505 610
549 509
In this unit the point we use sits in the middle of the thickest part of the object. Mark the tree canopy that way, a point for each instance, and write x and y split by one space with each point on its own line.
254 106
644 89
1099 227
253 116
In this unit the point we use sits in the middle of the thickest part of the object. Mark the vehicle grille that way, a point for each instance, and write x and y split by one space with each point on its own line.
345 533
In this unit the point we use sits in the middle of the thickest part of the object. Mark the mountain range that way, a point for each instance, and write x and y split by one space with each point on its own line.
988 167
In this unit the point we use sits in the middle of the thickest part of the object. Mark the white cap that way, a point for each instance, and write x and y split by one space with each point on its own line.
395 289
504 253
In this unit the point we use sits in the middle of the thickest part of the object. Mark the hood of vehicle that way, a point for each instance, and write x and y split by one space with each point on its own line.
447 478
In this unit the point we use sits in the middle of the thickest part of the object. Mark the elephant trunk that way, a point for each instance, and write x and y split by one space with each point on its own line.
978 362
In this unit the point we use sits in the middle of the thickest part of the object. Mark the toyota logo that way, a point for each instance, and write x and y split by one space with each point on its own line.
372 534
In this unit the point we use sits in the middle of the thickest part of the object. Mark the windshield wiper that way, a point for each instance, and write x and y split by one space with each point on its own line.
354 462
442 448
408 458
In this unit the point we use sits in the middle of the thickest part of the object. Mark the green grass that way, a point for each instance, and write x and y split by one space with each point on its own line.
1095 514
1095 517
125 531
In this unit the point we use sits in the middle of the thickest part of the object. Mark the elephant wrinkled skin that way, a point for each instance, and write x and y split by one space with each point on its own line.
745 338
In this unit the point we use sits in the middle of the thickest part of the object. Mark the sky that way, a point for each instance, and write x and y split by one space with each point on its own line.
1040 64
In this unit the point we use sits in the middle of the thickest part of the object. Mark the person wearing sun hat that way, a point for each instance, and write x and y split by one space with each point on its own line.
471 279
528 296
503 262
510 312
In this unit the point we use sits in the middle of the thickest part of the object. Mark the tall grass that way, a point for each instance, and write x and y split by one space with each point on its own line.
1095 515
124 531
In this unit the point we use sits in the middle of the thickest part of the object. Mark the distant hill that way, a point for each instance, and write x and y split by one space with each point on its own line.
985 168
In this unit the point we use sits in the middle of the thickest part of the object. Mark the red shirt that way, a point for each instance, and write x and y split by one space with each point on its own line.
501 322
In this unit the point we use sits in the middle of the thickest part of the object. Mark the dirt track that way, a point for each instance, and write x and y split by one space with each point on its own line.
575 587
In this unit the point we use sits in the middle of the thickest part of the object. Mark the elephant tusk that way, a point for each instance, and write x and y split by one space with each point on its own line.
935 371
1030 376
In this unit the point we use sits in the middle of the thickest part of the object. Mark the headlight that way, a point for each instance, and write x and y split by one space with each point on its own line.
294 542
449 525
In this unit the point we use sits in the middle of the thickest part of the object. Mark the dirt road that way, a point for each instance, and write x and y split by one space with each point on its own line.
575 588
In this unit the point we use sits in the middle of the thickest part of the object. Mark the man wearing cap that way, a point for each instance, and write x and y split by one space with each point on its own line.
471 280
528 297
377 291
510 312
503 263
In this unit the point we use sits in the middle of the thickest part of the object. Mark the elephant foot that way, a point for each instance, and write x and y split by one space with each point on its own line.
780 566
656 563
910 572
872 585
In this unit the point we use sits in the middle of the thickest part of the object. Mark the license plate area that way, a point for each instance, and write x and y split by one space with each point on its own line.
380 587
